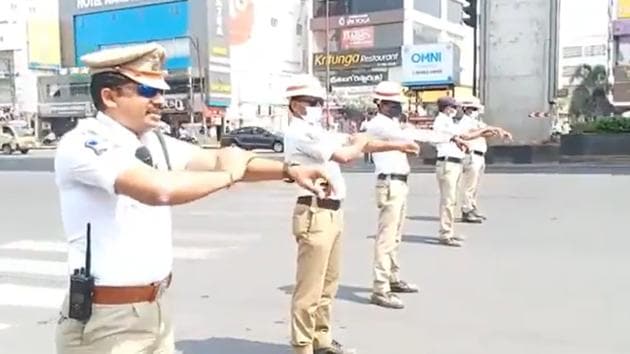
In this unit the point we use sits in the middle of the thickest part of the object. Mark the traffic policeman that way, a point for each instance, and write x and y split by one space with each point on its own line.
318 222
475 161
116 174
392 172
449 164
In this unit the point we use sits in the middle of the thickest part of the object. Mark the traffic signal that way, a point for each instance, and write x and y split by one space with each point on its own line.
470 13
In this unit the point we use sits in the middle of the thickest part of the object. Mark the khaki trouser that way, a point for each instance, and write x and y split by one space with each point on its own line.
118 329
474 165
448 174
391 200
318 234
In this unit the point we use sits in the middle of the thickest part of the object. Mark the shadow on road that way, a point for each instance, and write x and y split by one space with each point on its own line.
230 345
345 292
429 240
423 218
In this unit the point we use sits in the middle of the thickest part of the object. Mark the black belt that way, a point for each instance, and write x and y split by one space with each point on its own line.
394 176
449 159
477 152
330 204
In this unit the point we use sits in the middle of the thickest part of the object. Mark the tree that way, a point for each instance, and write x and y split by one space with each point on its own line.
589 98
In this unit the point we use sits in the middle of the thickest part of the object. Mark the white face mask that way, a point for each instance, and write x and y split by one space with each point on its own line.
313 115
474 114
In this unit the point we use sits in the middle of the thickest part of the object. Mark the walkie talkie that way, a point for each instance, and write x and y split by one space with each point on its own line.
82 287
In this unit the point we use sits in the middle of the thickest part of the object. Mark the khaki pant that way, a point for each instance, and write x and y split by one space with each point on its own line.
448 174
318 234
474 165
118 329
391 200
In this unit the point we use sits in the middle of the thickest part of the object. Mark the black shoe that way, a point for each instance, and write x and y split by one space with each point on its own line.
471 218
403 287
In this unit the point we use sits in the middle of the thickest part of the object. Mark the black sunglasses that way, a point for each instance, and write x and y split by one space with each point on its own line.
310 101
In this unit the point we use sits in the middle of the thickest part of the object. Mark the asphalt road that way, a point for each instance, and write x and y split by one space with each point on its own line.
547 274
43 161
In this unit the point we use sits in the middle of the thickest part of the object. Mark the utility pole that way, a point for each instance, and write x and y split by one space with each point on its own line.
471 18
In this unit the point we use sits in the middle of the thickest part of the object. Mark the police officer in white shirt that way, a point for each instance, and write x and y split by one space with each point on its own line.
117 174
318 222
392 172
449 164
475 161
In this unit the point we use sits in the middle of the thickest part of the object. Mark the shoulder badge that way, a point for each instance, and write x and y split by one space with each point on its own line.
95 145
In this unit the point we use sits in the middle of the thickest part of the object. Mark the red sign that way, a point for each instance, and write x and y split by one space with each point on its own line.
356 38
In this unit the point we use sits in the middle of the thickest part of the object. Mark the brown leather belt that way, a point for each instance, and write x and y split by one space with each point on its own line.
330 204
118 295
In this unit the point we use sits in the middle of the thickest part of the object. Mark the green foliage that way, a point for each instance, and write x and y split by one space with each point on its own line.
603 125
589 97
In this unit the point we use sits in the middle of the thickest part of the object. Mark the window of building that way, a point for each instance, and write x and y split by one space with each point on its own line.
594 50
454 11
299 29
623 51
354 7
572 52
79 89
424 34
430 7
274 22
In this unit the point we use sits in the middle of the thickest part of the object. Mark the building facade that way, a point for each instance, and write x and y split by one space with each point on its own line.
583 38
620 59
239 51
29 48
366 41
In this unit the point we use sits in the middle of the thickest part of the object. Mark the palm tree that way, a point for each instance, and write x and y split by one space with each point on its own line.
589 98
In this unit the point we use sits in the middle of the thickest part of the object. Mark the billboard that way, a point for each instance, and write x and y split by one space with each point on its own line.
623 9
366 19
357 38
357 78
219 80
378 57
430 64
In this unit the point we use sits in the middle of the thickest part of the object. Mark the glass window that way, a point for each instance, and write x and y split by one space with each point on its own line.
430 7
572 52
594 50
424 35
79 89
623 51
454 11
355 7
569 71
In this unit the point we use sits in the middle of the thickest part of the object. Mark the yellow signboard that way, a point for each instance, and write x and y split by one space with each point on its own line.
623 9
44 47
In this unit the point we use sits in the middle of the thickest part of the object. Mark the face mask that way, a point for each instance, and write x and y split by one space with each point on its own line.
474 114
395 111
313 115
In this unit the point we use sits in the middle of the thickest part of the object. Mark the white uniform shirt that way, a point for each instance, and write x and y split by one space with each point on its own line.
382 127
310 144
446 124
131 241
480 143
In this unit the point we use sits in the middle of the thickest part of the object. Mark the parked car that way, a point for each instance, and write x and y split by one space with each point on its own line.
16 137
250 138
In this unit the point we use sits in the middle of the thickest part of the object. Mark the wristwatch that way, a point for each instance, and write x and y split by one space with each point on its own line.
285 171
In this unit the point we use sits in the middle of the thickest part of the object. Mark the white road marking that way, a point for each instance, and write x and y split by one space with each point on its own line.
4 326
31 266
16 265
38 246
30 296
